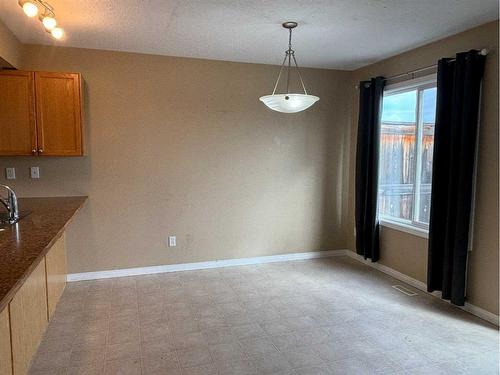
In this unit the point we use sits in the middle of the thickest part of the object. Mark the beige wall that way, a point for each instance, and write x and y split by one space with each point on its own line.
183 146
407 253
10 48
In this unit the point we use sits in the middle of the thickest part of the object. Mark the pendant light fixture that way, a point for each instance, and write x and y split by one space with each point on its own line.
289 102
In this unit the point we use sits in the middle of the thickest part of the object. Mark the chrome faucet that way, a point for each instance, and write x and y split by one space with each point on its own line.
10 203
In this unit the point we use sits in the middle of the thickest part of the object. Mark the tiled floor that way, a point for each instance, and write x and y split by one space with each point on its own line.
328 316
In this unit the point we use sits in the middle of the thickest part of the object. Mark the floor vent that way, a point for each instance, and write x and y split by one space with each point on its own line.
404 290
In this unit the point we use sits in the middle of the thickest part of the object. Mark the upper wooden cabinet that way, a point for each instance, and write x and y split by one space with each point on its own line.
41 114
58 114
17 113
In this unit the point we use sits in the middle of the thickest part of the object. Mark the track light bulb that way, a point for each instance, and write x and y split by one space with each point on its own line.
30 9
49 22
57 33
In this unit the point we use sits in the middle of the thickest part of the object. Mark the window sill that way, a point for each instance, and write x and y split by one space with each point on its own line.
416 231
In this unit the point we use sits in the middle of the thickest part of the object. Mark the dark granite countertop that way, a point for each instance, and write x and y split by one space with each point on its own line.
23 245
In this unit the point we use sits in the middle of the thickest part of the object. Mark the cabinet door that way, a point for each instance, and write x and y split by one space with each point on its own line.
5 349
58 114
28 318
17 113
55 262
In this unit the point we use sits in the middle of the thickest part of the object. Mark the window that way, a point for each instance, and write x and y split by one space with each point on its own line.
406 147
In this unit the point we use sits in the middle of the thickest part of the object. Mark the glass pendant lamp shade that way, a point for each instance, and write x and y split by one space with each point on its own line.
289 103
49 22
29 8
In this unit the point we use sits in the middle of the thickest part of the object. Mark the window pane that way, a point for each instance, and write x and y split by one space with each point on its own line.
428 117
397 155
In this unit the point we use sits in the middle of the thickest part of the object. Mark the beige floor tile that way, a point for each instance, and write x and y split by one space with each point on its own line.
87 356
123 334
195 356
229 308
218 336
56 344
56 330
245 367
448 368
271 363
89 369
257 346
262 319
127 350
123 367
155 331
209 369
225 353
248 331
276 327
184 326
321 370
212 322
285 342
303 358
157 347
53 371
45 361
188 340
89 341
89 327
164 363
239 319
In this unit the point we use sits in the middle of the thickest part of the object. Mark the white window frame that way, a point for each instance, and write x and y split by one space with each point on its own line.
411 226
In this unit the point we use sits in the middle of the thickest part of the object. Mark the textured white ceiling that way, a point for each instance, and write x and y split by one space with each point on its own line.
342 34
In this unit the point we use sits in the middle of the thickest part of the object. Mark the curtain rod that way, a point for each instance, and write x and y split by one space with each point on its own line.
482 52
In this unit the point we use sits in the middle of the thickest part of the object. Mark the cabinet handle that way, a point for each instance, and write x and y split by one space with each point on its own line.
40 151
33 151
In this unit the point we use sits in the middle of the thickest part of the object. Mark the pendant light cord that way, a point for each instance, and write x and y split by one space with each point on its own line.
300 75
279 75
289 54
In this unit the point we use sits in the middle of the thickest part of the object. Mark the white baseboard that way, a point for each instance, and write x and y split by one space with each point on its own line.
201 265
417 284
481 313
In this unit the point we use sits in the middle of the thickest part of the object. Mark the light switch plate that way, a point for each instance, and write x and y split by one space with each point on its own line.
34 172
10 173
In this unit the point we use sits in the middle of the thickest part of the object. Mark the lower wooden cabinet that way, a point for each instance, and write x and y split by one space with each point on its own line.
5 348
28 318
23 323
55 263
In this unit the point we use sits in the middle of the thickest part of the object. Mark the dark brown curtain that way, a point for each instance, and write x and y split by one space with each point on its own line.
367 152
458 93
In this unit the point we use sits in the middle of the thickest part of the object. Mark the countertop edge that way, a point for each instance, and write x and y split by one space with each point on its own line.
4 303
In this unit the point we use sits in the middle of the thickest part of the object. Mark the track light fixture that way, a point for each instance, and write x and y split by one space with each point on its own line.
46 15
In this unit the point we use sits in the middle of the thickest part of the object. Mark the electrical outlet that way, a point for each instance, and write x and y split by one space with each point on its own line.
10 173
34 172
172 241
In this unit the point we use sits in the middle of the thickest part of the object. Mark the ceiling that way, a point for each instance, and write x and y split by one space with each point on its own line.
341 34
